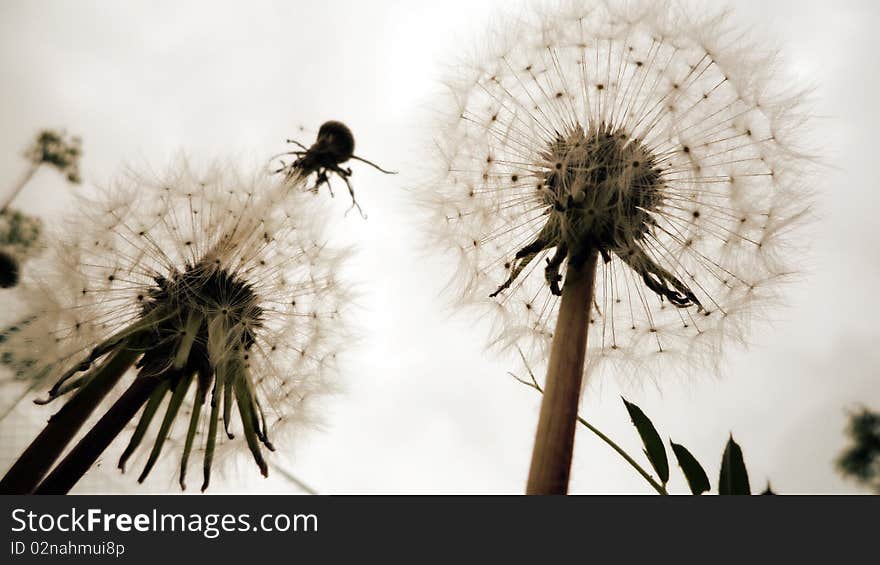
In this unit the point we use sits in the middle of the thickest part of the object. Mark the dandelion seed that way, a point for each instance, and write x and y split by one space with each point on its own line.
218 289
638 134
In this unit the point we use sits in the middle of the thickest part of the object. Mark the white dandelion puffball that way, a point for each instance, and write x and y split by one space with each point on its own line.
217 287
640 132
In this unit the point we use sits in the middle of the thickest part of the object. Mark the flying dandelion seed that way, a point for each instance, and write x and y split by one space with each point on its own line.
633 159
217 288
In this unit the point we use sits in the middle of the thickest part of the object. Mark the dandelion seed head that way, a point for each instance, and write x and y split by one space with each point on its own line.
338 139
203 273
660 139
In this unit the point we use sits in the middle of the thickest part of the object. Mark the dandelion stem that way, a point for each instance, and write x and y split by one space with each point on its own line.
554 440
610 442
33 464
289 476
92 445
25 178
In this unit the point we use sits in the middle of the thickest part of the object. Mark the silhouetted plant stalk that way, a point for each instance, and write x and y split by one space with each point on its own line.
618 183
35 462
292 478
554 439
20 184
213 283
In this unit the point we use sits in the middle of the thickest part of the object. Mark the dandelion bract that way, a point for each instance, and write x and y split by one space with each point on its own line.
218 288
657 138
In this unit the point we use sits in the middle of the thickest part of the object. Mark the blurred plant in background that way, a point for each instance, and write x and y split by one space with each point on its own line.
212 281
861 459
9 269
51 148
20 233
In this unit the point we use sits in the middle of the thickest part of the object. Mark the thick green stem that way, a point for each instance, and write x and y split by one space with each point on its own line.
610 442
554 439
33 464
80 459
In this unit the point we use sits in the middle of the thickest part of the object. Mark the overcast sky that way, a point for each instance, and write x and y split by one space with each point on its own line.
426 408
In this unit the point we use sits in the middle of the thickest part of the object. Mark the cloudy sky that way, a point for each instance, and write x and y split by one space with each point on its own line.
426 408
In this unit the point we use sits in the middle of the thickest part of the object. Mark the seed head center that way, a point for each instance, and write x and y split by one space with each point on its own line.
204 293
601 187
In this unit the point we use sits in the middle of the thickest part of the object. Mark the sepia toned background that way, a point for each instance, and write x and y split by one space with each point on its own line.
426 408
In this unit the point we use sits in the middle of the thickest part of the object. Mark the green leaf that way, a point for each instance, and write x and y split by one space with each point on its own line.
693 471
734 478
654 448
